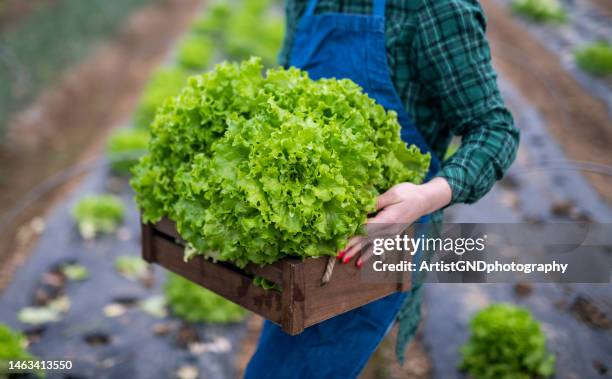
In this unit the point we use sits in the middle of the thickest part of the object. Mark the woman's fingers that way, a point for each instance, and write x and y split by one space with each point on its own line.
354 248
387 198
392 214
351 242
364 257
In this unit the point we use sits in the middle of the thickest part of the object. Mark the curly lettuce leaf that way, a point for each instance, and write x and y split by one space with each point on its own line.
255 168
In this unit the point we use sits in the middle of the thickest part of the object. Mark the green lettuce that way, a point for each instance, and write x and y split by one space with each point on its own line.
96 214
13 348
193 303
257 167
164 83
506 342
195 52
124 147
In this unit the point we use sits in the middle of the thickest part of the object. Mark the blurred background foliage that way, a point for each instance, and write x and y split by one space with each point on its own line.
54 35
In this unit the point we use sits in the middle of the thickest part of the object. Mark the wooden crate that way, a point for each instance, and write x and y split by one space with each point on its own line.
302 302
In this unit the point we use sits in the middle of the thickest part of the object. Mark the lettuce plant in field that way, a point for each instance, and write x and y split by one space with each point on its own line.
506 342
97 214
124 148
12 348
252 31
195 52
214 20
540 10
164 83
196 304
243 29
595 58
256 167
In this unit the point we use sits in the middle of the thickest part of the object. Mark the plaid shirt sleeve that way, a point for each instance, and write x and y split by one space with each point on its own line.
453 63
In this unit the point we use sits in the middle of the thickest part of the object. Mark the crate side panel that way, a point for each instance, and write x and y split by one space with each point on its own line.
345 291
231 284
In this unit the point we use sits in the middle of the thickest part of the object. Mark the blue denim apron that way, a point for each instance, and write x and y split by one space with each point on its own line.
342 46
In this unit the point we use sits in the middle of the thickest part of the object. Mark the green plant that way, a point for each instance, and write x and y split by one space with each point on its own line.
155 306
50 312
35 50
165 83
257 167
248 28
12 348
506 342
540 10
253 32
214 20
125 147
131 267
75 272
196 304
195 52
266 284
595 58
97 213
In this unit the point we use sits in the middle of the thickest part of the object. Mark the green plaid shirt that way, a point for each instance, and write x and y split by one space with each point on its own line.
441 67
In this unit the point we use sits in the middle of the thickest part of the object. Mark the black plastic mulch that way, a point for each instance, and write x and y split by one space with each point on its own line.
111 347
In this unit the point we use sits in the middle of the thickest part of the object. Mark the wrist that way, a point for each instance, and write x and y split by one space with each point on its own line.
436 193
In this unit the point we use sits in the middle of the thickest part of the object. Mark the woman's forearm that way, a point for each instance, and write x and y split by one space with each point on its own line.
437 194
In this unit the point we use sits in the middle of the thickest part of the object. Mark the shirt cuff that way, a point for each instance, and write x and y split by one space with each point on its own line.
456 176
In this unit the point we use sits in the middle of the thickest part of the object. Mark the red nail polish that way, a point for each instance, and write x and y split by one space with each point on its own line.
359 263
345 260
340 254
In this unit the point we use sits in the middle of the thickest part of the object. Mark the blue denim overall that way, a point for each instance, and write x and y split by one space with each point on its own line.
341 46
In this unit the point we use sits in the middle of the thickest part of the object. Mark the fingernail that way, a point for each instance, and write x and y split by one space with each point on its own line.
345 260
359 263
340 254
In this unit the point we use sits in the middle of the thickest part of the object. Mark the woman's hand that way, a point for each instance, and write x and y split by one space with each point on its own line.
399 207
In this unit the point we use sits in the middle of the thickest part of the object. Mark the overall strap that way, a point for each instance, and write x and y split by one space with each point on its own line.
312 4
379 8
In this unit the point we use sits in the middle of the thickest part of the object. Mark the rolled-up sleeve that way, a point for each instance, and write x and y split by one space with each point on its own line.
454 65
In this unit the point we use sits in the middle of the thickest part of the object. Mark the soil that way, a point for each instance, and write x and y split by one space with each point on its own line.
69 121
604 5
586 310
579 121
13 11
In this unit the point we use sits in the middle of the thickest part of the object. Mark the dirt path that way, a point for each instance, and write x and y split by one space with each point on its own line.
579 121
68 123
604 5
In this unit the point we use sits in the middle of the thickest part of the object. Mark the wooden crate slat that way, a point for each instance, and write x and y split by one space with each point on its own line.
293 296
146 238
221 280
168 227
345 291
303 301
271 272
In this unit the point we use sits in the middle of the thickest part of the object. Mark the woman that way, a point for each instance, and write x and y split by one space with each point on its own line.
429 61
